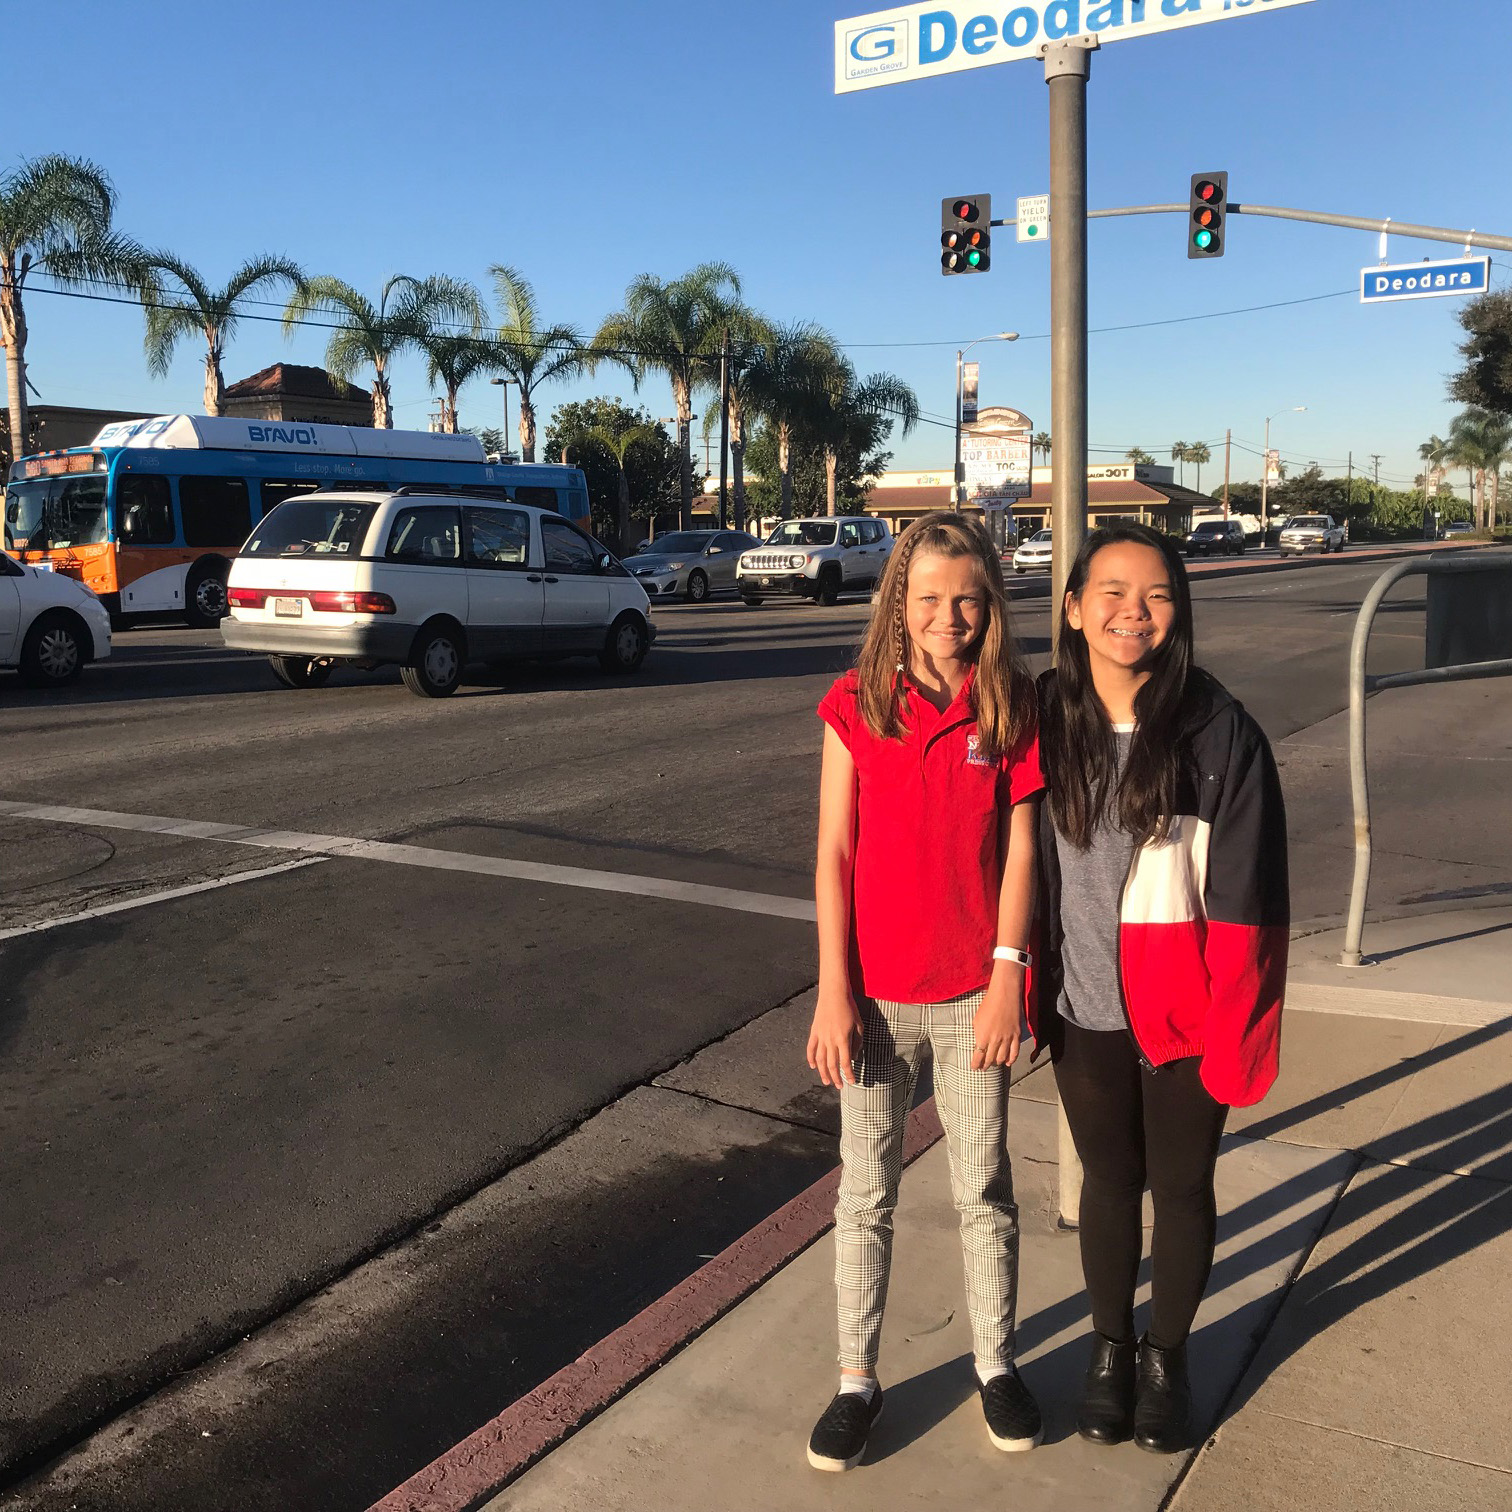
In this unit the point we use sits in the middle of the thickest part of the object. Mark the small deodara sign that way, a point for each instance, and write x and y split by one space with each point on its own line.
919 41
1425 280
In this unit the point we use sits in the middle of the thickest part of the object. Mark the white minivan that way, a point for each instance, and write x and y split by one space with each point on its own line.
428 579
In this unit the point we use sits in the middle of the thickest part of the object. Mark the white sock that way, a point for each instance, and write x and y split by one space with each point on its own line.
858 1385
987 1373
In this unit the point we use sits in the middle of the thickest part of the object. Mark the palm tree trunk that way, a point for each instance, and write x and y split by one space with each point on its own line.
527 426
684 402
383 417
622 517
831 466
214 383
785 471
13 334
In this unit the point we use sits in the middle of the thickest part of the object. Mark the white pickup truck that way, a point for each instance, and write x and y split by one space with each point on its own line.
1311 533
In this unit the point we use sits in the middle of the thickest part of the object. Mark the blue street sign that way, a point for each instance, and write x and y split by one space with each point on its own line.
1425 280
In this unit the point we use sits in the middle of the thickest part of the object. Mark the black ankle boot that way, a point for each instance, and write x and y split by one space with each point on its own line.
1163 1399
1107 1409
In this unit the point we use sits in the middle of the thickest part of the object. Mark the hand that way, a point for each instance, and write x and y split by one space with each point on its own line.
835 1040
999 1025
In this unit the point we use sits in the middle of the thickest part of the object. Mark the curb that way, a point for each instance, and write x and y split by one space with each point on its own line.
488 1459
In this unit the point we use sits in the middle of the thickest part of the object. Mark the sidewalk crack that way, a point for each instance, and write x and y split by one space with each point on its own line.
1372 1438
719 1102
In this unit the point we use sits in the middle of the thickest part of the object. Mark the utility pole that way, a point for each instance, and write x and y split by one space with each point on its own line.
1228 449
1068 65
724 430
1375 499
1349 486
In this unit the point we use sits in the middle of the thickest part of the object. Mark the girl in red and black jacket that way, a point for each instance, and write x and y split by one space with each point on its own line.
1165 917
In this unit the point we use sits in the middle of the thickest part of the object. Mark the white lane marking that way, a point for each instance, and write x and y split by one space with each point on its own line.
772 905
147 899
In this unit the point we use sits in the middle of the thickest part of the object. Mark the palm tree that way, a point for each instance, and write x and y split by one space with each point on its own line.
450 360
854 416
617 444
527 351
787 391
55 215
1480 442
369 335
1139 456
1434 452
1040 442
1179 455
194 308
673 329
1198 453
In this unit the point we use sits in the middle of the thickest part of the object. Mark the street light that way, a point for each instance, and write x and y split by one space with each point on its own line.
960 481
504 383
1295 409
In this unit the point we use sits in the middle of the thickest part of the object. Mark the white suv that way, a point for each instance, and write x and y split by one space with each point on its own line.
428 579
818 558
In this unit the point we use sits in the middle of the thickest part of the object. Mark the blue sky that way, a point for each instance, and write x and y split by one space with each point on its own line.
588 143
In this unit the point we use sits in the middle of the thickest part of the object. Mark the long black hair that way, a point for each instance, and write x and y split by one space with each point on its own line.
1079 748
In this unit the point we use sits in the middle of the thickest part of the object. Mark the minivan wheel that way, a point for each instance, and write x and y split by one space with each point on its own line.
205 601
829 588
434 669
626 644
301 671
698 588
53 653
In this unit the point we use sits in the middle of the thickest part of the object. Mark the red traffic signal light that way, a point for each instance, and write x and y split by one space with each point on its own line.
1208 207
966 234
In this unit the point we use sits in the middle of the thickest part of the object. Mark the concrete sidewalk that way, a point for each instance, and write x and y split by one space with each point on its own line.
1363 1245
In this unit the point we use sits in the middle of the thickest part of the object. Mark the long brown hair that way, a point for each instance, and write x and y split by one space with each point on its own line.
1077 745
1002 696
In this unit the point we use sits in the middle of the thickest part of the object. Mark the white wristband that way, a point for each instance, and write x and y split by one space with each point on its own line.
1008 953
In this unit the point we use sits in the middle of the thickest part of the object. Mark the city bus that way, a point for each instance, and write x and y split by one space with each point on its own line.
151 512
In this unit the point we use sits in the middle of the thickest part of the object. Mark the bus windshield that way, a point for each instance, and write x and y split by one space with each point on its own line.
311 525
53 512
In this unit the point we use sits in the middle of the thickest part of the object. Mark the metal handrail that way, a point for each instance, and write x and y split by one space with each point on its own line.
1362 685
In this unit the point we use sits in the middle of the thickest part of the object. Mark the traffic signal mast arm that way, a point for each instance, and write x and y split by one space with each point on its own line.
1322 218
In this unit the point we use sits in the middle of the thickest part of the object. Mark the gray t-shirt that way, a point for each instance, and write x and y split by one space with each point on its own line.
1091 888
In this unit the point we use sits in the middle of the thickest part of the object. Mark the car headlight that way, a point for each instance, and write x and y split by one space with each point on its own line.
798 559
674 567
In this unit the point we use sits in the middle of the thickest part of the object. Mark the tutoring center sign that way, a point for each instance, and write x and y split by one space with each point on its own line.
919 41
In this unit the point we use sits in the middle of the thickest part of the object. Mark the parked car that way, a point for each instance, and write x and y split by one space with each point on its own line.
1215 538
428 580
1033 554
690 563
50 625
818 558
1457 528
1314 532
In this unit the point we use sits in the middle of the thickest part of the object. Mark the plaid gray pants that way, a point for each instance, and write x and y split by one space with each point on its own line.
973 1107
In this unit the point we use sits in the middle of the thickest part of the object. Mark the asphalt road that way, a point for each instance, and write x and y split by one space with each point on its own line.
215 1105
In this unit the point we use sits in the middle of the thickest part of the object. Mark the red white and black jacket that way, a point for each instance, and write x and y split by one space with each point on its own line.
1204 917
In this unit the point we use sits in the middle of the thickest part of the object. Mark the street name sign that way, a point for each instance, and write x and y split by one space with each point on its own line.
920 41
1425 280
1034 218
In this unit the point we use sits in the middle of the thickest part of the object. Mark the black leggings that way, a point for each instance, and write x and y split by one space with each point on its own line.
1131 1126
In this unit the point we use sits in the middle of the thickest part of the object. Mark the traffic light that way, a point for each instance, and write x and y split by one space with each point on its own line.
1209 209
966 234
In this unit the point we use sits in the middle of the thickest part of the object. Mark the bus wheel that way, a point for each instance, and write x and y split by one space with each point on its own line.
301 671
205 603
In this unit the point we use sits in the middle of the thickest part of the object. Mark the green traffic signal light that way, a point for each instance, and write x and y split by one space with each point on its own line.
1203 239
1207 206
966 234
974 258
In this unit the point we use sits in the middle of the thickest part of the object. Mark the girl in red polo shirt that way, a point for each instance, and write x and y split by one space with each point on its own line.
925 895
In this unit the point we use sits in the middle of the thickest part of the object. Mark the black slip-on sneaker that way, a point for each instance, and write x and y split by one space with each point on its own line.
839 1437
1013 1416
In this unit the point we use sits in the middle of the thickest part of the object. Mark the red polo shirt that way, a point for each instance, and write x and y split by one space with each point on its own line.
927 868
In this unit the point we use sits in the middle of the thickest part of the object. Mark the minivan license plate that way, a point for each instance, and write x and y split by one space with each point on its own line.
289 608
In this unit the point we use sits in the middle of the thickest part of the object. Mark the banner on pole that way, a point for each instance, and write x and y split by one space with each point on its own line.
970 386
919 41
1272 467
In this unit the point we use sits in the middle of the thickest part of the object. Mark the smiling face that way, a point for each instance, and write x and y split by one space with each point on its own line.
945 607
1126 608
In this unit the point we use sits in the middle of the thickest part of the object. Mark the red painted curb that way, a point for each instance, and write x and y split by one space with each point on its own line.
501 1450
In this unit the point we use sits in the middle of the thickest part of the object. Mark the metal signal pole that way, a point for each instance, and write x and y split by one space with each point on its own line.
724 430
1068 65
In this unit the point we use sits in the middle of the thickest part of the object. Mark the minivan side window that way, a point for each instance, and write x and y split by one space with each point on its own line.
429 535
566 550
215 511
498 538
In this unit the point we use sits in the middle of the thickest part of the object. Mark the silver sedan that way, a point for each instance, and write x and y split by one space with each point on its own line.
689 564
